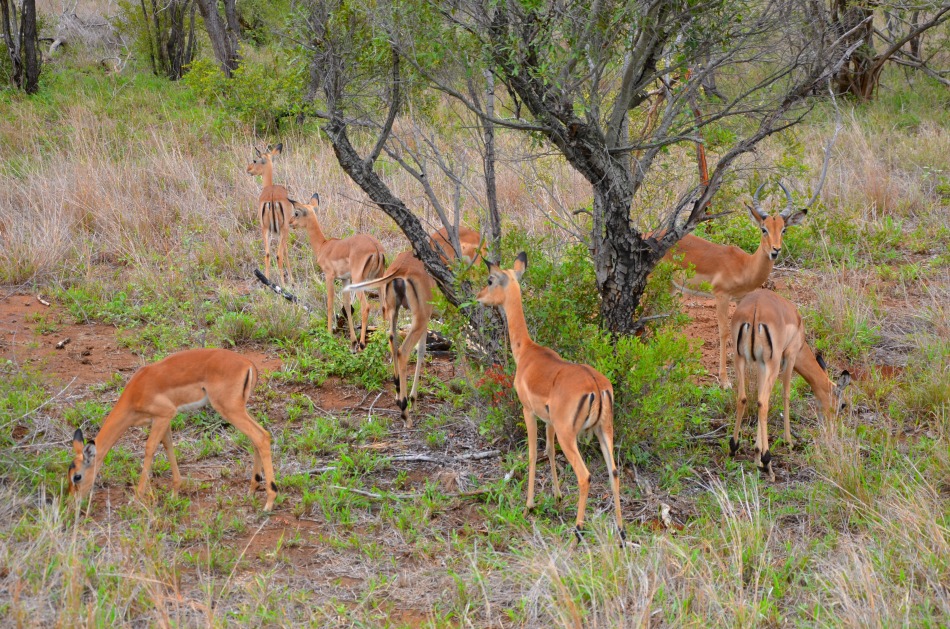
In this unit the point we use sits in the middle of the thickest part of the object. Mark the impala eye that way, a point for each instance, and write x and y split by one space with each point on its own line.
490 278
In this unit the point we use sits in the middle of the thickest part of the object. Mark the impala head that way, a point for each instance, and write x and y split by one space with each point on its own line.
81 472
773 227
304 211
503 282
832 403
263 160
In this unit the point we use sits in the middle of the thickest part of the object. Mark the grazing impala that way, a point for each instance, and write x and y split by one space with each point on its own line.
469 240
354 259
273 210
732 272
768 333
156 393
406 284
571 399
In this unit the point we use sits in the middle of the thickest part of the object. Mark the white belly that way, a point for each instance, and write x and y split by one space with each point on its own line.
193 406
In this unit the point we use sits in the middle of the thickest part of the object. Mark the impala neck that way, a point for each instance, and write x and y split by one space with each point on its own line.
761 263
317 238
113 427
268 175
806 365
517 326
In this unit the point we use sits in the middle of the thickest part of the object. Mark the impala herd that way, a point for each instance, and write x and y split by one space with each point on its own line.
573 400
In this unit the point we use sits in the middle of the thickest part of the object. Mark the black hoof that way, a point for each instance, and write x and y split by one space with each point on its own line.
578 533
733 446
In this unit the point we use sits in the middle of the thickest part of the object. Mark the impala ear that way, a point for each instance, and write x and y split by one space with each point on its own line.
77 441
315 198
844 380
521 264
89 452
754 215
257 151
278 149
796 218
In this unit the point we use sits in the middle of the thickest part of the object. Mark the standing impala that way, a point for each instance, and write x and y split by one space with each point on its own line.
355 259
273 210
469 240
768 333
406 284
571 399
182 382
732 272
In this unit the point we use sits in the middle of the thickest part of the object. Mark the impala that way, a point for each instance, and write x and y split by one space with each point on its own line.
406 284
768 333
732 272
571 399
182 382
354 259
273 210
469 240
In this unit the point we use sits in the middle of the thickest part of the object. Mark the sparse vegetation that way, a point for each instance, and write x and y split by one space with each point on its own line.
124 203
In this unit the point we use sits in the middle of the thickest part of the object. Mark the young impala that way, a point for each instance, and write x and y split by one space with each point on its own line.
155 394
469 240
354 259
768 333
273 210
406 284
571 399
732 272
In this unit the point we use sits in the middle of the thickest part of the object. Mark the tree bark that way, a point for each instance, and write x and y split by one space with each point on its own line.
491 190
223 38
22 42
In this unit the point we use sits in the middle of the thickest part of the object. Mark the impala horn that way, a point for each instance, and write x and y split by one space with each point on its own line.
755 203
788 195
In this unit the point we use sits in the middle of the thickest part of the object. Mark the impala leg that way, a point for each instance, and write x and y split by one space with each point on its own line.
722 319
741 401
232 408
606 440
348 309
160 425
331 290
415 335
768 372
285 243
364 318
391 314
551 441
786 394
569 447
531 423
265 234
172 461
420 360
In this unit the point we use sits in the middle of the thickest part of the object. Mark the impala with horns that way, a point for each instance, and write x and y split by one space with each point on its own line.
470 242
767 330
355 259
406 284
731 272
182 382
273 210
572 399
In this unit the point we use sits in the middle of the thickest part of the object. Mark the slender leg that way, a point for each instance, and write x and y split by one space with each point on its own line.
160 426
532 425
412 338
331 290
606 441
786 393
420 359
722 318
364 318
265 233
348 309
551 440
232 408
569 447
741 401
285 242
768 372
172 461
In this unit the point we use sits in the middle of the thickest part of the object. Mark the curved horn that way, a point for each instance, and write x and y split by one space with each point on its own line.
788 195
755 203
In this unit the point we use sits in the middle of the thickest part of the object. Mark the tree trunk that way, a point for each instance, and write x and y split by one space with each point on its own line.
223 43
29 41
491 191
